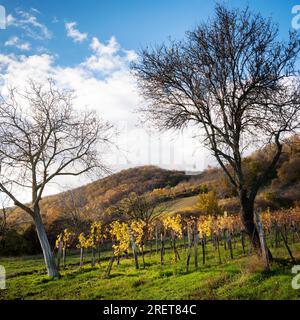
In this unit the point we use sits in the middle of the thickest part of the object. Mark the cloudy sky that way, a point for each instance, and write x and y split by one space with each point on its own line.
88 46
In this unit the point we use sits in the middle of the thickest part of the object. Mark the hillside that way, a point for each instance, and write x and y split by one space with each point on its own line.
92 199
89 202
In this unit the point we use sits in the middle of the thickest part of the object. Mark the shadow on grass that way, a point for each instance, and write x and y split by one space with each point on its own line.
285 262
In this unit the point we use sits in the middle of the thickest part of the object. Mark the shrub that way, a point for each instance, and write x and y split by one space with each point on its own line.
13 244
208 203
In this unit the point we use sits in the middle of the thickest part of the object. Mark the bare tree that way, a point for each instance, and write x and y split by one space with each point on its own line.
236 81
42 137
71 204
144 207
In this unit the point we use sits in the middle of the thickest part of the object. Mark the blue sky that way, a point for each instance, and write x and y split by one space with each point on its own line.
88 45
135 23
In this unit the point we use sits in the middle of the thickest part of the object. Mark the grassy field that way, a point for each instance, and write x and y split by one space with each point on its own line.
178 204
241 278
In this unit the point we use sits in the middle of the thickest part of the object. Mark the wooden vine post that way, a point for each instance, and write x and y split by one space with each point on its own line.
83 243
190 243
229 242
195 244
243 240
59 246
262 242
134 251
156 238
162 248
109 267
285 241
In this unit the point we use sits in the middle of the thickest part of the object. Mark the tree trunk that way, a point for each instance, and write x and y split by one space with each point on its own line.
247 217
52 270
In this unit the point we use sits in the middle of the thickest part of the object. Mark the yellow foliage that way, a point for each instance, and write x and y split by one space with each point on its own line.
63 238
137 228
174 224
205 224
67 236
120 233
208 203
58 240
95 234
82 241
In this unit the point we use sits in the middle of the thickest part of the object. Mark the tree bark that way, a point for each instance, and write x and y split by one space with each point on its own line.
247 216
52 270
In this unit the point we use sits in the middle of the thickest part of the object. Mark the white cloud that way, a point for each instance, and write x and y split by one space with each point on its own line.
35 10
101 49
17 43
104 83
74 33
108 57
29 23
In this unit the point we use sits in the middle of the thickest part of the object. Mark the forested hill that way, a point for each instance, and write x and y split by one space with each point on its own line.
94 197
90 201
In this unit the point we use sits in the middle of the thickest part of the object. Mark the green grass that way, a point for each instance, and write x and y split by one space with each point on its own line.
241 278
181 203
